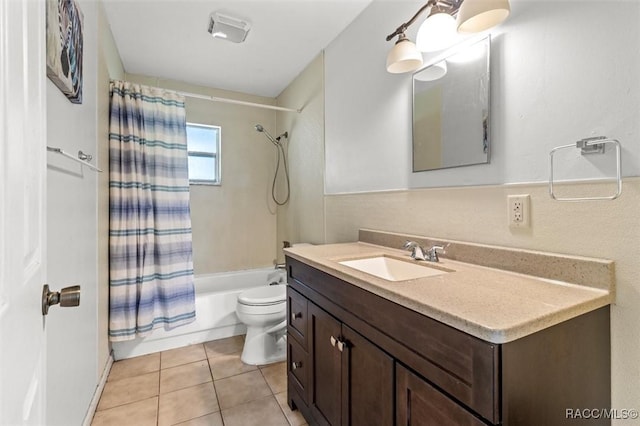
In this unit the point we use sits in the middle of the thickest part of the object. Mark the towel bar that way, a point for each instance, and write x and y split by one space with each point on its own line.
80 159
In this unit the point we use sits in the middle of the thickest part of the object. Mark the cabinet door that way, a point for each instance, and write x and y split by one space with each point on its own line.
367 382
325 398
420 404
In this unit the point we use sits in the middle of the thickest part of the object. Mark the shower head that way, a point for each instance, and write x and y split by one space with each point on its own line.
261 129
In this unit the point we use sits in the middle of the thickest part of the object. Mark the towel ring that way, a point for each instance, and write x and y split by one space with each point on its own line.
595 145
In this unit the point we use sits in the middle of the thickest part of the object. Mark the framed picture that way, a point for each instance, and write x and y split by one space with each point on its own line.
64 47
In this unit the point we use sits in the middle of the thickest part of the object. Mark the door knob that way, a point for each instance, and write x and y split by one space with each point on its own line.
68 296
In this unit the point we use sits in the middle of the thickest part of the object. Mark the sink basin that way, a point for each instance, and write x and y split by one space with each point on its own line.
392 269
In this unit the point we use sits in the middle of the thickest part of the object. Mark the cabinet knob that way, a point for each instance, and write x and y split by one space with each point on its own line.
296 365
333 341
341 345
295 315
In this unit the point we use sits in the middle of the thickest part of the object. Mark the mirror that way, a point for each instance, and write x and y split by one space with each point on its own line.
451 109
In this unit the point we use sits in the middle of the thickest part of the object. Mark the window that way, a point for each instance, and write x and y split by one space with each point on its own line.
203 145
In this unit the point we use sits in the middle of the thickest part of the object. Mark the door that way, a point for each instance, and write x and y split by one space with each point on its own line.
420 404
367 382
22 215
326 364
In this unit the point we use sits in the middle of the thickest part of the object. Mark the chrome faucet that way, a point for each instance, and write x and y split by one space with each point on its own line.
432 253
417 252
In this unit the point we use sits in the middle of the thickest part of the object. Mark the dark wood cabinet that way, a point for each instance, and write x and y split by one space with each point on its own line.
297 314
420 404
325 367
356 358
298 360
367 382
351 379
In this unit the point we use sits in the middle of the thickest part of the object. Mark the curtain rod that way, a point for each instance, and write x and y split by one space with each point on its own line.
234 101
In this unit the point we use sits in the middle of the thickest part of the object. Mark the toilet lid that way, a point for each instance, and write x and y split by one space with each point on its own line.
264 295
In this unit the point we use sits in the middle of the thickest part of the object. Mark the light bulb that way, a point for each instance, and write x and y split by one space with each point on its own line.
437 32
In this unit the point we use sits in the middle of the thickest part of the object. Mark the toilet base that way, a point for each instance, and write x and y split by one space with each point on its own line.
262 348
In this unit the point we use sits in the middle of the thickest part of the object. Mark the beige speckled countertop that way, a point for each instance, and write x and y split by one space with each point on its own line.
492 304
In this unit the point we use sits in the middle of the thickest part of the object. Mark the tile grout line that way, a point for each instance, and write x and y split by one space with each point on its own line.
274 397
159 373
215 391
158 392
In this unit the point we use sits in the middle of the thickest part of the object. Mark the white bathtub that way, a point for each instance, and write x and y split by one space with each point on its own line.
216 297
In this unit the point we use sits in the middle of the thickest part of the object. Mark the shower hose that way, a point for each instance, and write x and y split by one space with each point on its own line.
280 150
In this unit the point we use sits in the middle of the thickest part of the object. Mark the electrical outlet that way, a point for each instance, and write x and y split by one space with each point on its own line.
519 207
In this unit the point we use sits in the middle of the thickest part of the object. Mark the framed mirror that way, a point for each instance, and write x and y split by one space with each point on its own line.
451 109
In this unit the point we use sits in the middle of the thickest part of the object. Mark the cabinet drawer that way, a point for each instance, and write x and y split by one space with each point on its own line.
297 367
418 403
297 316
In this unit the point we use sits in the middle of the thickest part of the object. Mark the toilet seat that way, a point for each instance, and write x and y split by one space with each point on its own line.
264 295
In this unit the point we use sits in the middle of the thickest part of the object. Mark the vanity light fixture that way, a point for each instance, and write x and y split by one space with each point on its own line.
438 30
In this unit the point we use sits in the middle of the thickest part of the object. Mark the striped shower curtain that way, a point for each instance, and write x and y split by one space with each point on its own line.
151 265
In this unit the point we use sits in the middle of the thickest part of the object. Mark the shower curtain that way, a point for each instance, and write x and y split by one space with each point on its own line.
151 264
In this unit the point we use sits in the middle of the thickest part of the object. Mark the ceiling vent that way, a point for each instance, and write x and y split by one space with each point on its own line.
228 28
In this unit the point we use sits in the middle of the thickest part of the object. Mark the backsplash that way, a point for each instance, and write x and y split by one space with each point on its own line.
596 273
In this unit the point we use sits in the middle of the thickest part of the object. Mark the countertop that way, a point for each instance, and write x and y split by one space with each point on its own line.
491 304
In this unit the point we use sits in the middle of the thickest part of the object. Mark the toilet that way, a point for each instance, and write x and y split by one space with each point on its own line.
264 310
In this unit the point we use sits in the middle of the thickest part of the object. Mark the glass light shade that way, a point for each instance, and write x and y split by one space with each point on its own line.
437 32
404 57
433 72
479 15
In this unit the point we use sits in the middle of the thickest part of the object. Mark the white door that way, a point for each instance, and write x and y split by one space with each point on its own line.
22 215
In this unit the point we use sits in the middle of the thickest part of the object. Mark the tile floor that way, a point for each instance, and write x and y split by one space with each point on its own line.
204 384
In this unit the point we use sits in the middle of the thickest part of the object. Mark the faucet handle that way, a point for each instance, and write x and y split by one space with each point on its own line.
433 252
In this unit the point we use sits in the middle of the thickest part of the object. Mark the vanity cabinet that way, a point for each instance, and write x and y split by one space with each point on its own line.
356 358
351 379
342 377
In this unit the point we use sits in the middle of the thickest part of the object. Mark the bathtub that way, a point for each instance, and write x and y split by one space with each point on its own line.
216 297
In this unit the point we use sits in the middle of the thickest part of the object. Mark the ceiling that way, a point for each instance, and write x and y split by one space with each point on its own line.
169 39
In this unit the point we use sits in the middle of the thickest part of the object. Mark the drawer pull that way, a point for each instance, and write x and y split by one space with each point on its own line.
296 365
333 341
295 315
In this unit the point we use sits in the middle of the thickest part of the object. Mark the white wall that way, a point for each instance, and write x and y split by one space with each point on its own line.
302 218
72 372
109 67
367 110
561 71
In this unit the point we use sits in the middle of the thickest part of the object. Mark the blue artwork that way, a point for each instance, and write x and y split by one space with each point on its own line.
64 47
